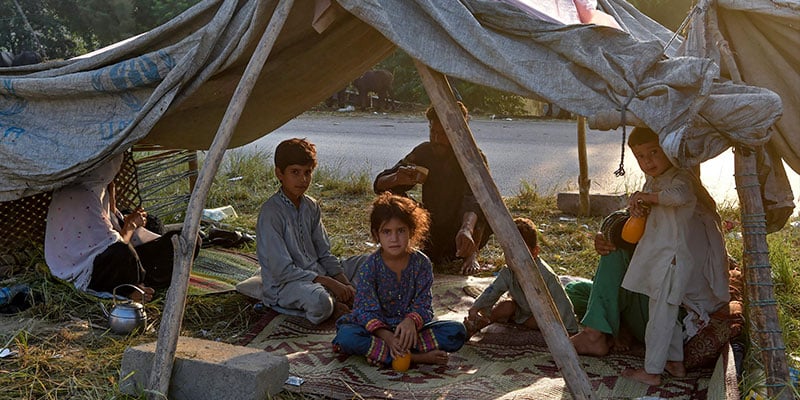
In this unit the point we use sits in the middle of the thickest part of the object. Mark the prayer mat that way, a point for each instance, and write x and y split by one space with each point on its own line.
217 270
501 362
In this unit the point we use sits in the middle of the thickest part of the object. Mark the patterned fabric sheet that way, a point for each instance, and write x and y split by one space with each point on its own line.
501 362
216 270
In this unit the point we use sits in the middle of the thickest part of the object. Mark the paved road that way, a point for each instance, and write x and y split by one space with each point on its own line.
541 153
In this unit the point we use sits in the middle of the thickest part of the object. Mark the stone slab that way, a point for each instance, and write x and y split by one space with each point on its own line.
600 205
205 369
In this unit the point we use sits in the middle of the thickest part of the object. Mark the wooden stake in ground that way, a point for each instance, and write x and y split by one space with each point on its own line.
583 176
175 304
517 254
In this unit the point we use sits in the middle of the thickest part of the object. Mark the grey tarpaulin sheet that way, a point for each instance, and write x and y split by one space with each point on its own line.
762 37
170 86
765 38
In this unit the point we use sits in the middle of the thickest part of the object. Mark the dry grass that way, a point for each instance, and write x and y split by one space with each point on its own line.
66 352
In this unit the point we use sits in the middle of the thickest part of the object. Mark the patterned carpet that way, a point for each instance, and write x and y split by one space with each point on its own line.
216 270
502 362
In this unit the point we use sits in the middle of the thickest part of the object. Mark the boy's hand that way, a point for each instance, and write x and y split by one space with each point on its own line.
639 203
349 294
341 292
603 246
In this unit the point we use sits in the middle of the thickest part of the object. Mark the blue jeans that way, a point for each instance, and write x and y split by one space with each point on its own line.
447 336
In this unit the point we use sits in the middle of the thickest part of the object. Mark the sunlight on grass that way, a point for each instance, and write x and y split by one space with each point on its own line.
65 352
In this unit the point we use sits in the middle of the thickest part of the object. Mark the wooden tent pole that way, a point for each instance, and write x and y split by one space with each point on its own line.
174 307
584 207
761 307
762 312
517 254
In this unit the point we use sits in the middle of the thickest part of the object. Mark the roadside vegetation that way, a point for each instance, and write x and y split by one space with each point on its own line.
65 351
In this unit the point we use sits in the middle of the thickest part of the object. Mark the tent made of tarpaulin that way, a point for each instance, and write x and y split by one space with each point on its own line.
172 86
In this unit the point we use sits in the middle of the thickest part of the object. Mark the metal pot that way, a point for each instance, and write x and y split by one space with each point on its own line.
126 317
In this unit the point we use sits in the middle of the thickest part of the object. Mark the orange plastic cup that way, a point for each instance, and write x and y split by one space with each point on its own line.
633 229
402 363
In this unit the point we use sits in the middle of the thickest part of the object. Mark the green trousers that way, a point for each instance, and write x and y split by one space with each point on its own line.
608 305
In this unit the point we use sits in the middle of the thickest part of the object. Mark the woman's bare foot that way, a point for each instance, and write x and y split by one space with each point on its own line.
470 266
590 342
640 375
142 298
439 357
675 368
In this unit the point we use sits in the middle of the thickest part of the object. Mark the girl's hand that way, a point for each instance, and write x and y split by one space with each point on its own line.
406 335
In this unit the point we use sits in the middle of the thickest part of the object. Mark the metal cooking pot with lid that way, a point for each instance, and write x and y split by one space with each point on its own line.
126 316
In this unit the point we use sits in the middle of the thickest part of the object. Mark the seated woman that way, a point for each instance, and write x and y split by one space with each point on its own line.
90 244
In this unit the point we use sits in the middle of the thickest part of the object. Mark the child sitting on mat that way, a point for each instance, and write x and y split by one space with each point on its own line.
393 313
484 311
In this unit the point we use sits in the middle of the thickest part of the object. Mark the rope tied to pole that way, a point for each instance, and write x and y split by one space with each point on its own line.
624 111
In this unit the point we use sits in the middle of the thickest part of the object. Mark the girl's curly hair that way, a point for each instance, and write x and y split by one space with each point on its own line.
388 206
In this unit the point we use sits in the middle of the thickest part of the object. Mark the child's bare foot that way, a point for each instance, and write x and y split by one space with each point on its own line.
590 342
623 341
640 375
474 325
676 369
439 357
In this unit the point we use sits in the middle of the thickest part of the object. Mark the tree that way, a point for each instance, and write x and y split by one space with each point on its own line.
669 13
67 28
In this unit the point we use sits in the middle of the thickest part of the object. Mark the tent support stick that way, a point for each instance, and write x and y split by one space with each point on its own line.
584 205
174 307
762 312
517 254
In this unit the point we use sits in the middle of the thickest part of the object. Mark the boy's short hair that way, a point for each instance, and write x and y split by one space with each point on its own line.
431 115
641 135
527 228
295 151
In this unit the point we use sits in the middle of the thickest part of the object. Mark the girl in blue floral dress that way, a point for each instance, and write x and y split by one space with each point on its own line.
392 313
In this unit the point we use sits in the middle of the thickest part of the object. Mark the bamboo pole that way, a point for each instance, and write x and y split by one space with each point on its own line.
584 205
762 312
517 254
174 307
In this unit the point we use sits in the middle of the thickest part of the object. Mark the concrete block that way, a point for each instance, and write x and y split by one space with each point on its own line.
205 369
599 204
